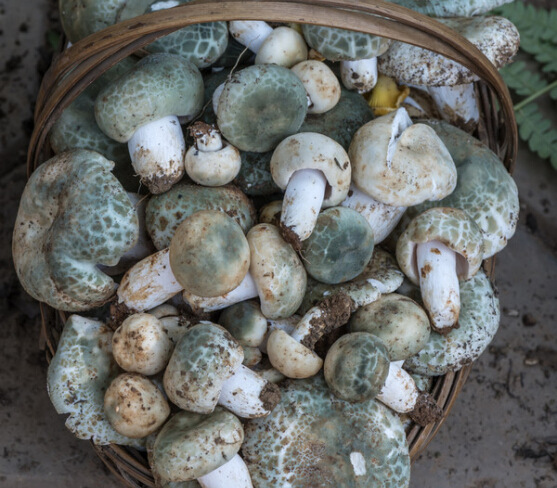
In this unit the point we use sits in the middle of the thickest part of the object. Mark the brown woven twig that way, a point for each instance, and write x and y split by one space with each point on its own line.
75 68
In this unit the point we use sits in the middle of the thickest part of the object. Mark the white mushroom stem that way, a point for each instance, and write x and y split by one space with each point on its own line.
242 394
250 33
149 283
232 474
359 75
439 284
382 218
458 104
304 326
157 150
401 122
399 391
244 291
302 201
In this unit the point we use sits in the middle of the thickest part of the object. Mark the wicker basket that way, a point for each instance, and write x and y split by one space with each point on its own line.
75 68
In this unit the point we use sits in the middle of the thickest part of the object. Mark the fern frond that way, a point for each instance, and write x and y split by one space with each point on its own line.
537 132
535 25
523 81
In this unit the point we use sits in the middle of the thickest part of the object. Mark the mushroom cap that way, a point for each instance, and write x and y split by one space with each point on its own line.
452 9
381 275
78 376
165 212
356 366
398 321
284 46
191 445
485 189
321 84
209 254
245 322
496 37
291 358
401 167
140 344
454 228
343 120
478 322
134 405
213 168
204 358
279 274
157 86
201 44
310 150
260 105
339 247
254 177
73 215
314 439
341 44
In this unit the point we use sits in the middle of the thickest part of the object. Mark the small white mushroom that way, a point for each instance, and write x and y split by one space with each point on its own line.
321 85
359 75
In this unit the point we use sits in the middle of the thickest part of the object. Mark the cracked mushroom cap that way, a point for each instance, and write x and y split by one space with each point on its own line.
191 445
201 44
78 376
314 439
339 247
484 189
310 150
496 37
279 275
209 253
135 406
400 163
398 321
166 211
204 358
341 44
478 322
157 86
261 105
73 215
356 366
451 226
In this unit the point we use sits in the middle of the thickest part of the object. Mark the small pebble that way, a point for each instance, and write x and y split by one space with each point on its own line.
528 320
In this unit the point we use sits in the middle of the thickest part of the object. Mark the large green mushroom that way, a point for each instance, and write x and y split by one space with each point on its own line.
73 216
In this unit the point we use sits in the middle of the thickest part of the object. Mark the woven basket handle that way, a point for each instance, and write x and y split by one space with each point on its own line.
75 68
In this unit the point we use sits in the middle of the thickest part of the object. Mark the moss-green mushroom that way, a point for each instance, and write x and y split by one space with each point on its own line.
339 247
142 108
73 215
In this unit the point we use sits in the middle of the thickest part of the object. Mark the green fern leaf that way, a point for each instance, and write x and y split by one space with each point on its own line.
537 131
523 81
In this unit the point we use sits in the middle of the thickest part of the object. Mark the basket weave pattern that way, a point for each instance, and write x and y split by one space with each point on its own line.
75 68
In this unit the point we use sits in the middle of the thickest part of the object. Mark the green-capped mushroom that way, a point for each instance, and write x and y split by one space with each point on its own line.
78 376
245 322
340 246
142 108
451 8
314 439
73 215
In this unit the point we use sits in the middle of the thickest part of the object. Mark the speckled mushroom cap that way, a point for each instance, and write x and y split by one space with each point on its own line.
78 376
478 322
381 275
260 105
204 358
209 253
314 439
201 44
496 37
73 215
310 150
485 190
356 366
158 86
245 322
278 273
165 212
339 247
454 228
83 17
341 44
191 445
401 167
398 321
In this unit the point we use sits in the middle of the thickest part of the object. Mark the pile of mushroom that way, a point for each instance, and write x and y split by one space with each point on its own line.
258 319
